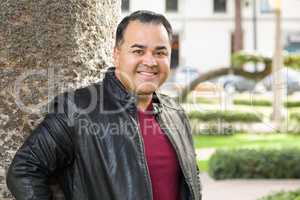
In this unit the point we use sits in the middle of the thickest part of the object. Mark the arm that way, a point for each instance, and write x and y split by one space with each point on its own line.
47 149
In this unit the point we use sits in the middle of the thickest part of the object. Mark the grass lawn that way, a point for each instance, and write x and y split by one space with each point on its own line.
244 141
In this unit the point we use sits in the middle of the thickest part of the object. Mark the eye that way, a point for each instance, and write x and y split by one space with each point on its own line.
138 52
161 53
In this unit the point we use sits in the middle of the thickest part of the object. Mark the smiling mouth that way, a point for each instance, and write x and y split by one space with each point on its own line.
147 73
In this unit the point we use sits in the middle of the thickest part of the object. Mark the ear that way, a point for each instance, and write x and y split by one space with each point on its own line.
116 56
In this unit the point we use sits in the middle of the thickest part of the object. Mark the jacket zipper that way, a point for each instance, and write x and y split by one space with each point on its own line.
178 156
144 155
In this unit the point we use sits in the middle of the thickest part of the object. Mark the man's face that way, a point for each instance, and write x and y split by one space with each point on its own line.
142 60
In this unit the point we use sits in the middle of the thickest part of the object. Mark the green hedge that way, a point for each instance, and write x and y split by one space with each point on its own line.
292 104
295 116
252 102
241 58
294 123
226 116
255 163
264 102
217 129
292 61
290 195
203 100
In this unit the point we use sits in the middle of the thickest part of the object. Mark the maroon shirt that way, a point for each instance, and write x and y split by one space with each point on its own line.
161 158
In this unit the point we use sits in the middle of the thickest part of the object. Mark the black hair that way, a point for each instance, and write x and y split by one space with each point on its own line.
143 16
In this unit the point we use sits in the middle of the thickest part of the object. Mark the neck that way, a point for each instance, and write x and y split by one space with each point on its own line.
144 101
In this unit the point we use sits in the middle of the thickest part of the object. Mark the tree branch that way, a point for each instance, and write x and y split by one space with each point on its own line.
221 72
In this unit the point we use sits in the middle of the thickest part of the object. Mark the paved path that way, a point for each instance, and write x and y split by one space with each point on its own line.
243 189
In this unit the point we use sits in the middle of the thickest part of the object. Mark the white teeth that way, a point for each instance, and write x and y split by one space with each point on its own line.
147 73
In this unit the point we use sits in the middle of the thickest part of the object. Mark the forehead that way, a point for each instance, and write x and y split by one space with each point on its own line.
146 34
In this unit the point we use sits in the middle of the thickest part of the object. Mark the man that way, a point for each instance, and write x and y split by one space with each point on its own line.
117 139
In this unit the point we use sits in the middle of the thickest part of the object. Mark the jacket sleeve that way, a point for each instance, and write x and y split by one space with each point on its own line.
47 149
187 122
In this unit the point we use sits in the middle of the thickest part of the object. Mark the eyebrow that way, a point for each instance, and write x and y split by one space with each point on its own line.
138 46
144 47
161 48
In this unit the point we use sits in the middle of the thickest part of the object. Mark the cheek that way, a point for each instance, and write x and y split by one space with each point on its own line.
164 73
131 64
127 61
165 66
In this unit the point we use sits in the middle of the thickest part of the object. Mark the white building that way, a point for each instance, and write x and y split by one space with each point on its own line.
204 27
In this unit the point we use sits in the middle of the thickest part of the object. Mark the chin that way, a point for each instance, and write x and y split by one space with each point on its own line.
147 87
146 91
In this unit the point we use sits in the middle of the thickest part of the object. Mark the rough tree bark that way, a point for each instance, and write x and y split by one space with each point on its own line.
47 47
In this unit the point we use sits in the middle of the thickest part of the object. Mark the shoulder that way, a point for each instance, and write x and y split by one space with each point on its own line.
73 101
169 102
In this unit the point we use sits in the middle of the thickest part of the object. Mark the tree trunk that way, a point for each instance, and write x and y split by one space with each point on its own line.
278 85
238 31
47 47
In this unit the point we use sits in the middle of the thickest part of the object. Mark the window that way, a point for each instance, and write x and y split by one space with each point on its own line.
172 5
220 6
125 5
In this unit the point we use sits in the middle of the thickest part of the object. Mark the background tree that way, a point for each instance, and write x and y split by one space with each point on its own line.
238 30
237 46
278 86
237 68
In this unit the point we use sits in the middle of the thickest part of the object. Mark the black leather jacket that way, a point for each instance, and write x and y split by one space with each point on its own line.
91 142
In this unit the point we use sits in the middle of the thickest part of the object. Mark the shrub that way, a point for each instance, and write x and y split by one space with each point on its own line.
295 116
226 116
290 195
255 163
241 58
292 104
214 129
203 100
294 124
292 61
262 102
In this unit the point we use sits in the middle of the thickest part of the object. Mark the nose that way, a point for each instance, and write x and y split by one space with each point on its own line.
149 59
